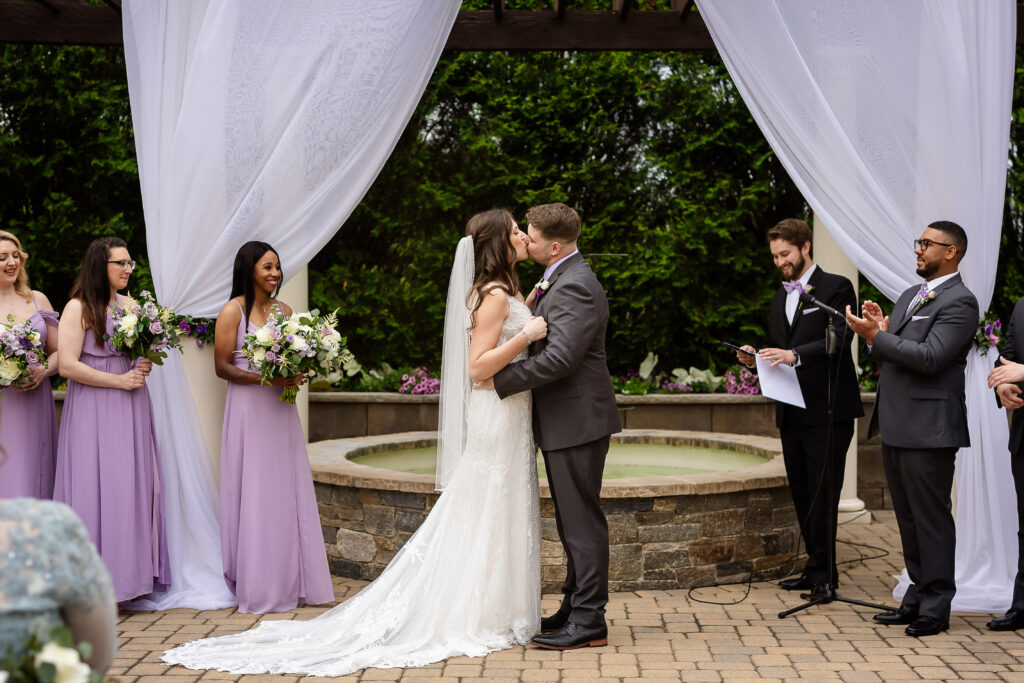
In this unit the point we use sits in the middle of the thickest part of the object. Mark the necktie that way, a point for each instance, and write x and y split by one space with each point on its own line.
793 286
922 294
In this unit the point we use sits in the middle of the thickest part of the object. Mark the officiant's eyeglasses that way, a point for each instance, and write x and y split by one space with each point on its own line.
926 244
125 265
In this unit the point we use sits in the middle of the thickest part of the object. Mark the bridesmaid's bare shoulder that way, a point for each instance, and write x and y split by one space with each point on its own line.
42 303
231 312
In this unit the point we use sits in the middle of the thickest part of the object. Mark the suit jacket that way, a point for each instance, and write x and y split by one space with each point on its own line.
806 336
921 402
573 397
1012 349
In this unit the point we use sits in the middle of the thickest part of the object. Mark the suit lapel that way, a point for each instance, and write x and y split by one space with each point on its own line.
565 265
904 303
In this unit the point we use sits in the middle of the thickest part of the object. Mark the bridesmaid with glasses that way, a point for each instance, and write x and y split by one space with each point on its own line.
28 421
107 467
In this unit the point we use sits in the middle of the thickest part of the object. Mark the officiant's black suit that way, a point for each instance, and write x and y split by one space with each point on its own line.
574 413
804 431
921 413
1012 349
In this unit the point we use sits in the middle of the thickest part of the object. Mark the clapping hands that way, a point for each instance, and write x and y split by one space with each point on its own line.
872 322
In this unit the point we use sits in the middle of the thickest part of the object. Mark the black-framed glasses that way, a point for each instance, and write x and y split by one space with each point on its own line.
125 265
926 244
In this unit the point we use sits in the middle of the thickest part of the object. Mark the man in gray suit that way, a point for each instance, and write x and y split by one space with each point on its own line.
1007 378
921 413
574 413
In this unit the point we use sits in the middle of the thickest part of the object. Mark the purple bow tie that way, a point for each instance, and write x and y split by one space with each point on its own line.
793 286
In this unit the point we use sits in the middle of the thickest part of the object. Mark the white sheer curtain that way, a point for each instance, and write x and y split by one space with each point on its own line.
888 116
254 119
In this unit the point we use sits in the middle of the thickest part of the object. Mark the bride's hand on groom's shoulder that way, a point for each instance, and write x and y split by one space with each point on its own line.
535 328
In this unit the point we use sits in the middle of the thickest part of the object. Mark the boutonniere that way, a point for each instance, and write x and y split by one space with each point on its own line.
922 298
542 288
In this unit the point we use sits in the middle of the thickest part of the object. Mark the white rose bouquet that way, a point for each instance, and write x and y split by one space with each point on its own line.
145 330
21 349
50 655
300 343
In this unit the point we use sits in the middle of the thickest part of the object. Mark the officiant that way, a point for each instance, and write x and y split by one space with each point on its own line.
796 337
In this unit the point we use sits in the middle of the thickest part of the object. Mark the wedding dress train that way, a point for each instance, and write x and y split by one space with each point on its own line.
466 583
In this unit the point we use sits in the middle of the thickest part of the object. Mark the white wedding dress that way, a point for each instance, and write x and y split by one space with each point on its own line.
466 583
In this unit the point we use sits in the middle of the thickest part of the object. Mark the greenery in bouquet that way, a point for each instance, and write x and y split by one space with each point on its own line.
200 329
987 335
144 329
21 349
302 343
49 655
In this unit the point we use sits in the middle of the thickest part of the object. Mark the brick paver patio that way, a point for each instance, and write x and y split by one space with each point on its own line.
670 635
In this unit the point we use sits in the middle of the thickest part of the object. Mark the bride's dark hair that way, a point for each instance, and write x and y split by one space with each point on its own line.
493 254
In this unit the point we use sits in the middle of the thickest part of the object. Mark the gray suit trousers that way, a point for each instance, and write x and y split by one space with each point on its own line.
574 475
920 481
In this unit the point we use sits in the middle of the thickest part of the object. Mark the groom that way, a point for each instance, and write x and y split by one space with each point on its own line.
574 413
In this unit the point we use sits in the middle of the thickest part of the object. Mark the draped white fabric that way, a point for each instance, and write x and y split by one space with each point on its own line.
888 116
254 119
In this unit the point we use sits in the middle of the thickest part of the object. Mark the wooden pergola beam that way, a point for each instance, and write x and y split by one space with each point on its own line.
55 22
70 23
565 29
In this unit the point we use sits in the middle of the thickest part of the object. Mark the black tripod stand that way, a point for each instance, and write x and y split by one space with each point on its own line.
829 594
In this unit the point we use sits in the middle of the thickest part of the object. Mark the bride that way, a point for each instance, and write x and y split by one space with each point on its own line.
468 581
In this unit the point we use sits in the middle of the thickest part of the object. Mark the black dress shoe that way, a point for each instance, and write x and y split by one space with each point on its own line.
554 622
1011 621
900 616
820 590
797 583
927 626
572 636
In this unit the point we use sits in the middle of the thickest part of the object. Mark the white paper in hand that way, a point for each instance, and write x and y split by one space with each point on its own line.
780 383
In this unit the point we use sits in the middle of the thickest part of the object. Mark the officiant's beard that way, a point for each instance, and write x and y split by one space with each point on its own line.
797 266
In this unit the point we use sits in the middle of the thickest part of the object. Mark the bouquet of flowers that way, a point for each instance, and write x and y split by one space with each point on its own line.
145 330
987 334
300 343
20 350
49 655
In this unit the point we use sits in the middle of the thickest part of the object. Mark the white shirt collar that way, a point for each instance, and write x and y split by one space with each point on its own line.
932 284
805 278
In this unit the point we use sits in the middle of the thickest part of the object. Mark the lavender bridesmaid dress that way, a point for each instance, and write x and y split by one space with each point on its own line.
107 471
270 535
28 432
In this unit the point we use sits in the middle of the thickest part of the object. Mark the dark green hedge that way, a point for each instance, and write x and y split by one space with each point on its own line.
675 184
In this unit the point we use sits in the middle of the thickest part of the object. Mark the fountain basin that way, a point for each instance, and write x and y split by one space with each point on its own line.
665 531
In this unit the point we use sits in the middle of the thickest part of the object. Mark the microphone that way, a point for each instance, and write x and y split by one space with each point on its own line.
811 301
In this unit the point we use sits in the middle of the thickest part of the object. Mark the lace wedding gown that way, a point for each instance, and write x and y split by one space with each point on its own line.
466 583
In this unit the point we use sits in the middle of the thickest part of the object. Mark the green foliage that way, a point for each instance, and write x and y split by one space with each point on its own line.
60 658
674 182
67 159
1010 272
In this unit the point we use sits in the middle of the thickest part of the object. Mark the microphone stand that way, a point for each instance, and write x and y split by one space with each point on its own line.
830 594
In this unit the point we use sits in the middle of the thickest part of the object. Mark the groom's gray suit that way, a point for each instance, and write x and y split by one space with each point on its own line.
574 413
921 414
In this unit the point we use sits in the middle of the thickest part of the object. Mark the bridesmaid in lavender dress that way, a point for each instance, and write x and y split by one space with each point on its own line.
28 423
107 468
271 540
